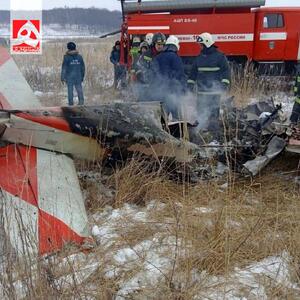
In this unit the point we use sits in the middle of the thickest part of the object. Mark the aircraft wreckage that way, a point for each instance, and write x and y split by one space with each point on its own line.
42 205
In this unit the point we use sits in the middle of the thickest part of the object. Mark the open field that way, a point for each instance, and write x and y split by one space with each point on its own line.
43 71
43 74
227 238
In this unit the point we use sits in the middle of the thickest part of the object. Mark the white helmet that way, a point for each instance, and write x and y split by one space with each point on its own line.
173 40
206 39
148 38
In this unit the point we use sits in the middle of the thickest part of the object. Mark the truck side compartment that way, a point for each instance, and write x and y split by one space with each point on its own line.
263 35
232 39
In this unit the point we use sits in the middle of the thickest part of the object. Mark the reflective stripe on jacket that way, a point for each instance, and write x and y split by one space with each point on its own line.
210 70
143 68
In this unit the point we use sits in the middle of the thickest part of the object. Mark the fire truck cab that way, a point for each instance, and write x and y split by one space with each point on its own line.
244 31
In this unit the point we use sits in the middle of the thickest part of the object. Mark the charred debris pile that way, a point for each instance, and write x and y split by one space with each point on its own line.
246 141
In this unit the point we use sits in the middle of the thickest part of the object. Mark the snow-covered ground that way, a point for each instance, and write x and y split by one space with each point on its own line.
155 257
150 262
56 31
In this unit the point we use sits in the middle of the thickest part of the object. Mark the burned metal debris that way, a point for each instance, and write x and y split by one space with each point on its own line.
274 148
294 139
248 139
125 128
95 132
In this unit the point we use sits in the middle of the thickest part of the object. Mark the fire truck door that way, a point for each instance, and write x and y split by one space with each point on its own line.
271 36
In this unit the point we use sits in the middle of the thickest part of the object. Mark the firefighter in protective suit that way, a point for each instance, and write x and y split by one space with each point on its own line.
211 74
134 54
142 68
146 91
295 116
158 42
171 79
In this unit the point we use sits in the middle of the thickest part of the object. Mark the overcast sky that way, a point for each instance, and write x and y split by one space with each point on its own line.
109 4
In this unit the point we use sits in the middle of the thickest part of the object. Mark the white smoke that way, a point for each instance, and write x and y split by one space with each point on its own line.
191 108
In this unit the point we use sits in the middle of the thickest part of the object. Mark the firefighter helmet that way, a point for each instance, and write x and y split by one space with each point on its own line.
144 45
148 38
158 38
206 39
173 40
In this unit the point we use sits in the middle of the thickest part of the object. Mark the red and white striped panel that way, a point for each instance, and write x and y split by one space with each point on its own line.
31 133
39 191
41 199
62 212
14 90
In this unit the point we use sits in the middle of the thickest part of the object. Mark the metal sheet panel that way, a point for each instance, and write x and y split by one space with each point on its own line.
15 92
63 216
38 135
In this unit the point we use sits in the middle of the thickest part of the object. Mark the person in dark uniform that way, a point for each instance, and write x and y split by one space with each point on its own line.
72 73
142 69
119 70
146 77
170 76
211 74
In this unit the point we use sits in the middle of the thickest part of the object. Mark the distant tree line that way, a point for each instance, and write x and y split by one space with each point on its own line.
83 17
4 16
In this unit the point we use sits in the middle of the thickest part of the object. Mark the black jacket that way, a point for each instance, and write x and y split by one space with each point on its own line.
210 70
115 56
73 68
143 68
168 67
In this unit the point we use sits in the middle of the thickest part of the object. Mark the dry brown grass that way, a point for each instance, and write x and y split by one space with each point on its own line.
247 84
43 71
251 220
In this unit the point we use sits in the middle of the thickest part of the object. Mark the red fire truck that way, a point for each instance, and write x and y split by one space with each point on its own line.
243 30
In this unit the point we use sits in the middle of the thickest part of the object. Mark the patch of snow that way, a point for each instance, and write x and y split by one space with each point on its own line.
154 259
140 216
38 93
150 261
82 269
203 210
221 168
250 282
155 205
224 186
233 224
105 234
125 255
264 115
